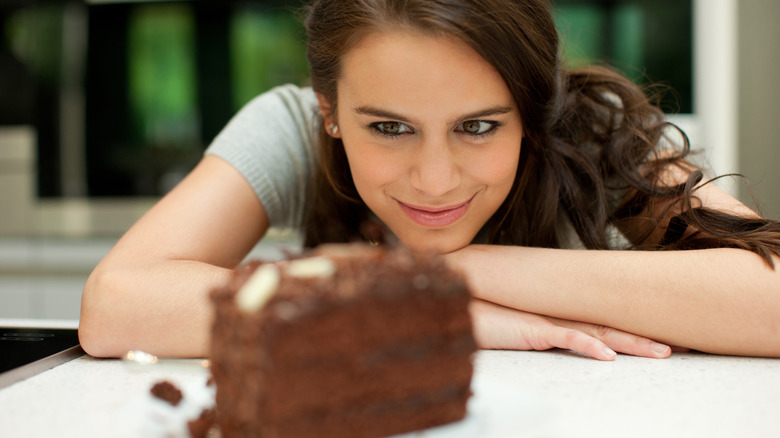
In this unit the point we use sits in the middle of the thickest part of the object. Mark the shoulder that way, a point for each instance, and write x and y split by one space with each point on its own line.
288 97
284 114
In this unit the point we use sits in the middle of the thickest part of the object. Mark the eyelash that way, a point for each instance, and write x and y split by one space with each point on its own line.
376 128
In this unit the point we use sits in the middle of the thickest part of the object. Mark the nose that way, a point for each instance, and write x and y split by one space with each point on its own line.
435 171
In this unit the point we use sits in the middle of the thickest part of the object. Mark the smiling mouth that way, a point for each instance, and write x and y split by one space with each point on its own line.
435 217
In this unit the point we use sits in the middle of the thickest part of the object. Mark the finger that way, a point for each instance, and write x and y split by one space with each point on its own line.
622 341
634 345
575 340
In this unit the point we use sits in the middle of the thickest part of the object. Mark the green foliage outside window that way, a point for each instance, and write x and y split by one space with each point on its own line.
162 74
267 49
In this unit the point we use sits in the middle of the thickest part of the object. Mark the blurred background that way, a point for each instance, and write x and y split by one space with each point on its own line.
106 104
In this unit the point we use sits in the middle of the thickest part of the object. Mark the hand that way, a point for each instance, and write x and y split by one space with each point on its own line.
503 328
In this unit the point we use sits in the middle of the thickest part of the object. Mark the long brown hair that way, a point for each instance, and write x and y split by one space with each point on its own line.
591 152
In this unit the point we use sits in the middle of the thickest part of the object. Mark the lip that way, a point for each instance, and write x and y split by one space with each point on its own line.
435 217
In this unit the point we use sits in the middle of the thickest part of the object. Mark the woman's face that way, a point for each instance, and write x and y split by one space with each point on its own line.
432 135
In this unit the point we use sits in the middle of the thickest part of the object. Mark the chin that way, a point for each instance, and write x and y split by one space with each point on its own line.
436 245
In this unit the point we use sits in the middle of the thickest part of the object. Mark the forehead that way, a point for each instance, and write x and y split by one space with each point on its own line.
414 71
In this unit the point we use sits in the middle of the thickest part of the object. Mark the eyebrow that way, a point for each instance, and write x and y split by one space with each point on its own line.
380 113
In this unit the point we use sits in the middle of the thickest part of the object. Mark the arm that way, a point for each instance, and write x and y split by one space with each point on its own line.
721 301
151 291
724 301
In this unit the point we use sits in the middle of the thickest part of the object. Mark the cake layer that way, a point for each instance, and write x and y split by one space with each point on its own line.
366 325
287 385
371 419
337 356
294 392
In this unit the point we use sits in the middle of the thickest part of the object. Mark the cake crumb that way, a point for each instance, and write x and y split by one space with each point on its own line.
167 391
203 426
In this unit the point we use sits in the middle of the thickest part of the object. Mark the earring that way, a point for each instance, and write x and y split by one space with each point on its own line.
333 128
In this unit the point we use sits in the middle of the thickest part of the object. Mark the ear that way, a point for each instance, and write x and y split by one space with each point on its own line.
327 116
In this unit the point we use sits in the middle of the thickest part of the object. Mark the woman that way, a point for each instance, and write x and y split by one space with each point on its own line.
451 125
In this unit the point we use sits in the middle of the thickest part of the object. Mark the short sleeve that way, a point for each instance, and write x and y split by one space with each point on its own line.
270 142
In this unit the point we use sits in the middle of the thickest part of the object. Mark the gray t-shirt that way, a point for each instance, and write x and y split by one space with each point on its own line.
270 141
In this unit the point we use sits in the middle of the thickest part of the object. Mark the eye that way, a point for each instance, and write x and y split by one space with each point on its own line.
477 127
391 129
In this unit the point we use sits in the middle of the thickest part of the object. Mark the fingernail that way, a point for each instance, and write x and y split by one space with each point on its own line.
660 348
609 354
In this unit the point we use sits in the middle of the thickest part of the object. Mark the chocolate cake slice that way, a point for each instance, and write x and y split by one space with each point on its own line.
350 341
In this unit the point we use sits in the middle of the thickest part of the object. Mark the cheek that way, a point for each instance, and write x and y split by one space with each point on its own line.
497 168
372 167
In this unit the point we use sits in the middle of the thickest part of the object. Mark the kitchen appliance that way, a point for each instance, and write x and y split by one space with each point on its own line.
25 352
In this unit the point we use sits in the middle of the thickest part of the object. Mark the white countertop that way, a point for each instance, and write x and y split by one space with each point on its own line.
530 394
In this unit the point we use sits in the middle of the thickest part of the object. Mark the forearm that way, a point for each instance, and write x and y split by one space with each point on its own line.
151 290
162 308
722 301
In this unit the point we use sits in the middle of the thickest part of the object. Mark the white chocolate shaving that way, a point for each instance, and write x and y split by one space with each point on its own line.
258 289
311 267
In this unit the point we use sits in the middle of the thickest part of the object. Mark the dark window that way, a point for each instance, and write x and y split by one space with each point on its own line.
156 81
650 41
187 67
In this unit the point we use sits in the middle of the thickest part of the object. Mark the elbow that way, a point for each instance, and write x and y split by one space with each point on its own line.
98 323
91 342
